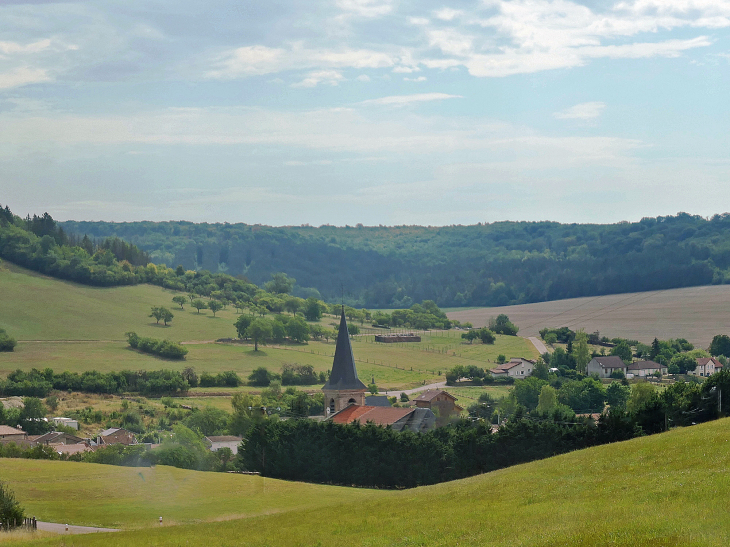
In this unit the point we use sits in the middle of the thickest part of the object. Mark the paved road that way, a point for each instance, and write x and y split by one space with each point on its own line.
438 385
538 344
61 528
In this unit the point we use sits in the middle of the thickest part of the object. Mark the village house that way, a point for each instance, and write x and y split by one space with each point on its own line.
216 442
645 368
66 422
344 395
54 438
443 402
606 365
8 433
115 435
706 366
517 367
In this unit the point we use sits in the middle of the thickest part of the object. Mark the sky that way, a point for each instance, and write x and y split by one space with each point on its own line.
365 111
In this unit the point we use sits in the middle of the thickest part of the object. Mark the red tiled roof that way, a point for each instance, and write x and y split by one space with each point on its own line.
705 360
379 415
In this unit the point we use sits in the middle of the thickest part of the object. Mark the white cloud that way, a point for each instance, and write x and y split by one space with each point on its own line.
257 60
418 21
408 99
331 77
366 8
363 78
582 111
447 14
419 79
23 76
13 47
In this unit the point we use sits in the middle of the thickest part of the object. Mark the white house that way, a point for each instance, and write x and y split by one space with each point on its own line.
216 442
66 422
706 366
517 367
606 365
646 368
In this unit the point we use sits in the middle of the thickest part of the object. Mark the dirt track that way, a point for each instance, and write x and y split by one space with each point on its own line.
695 313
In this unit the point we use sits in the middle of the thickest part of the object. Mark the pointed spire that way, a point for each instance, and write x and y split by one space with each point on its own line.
344 373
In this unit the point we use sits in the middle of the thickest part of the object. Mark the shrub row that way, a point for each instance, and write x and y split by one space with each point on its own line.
163 348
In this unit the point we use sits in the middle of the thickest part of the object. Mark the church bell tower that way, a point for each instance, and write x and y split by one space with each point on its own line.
343 387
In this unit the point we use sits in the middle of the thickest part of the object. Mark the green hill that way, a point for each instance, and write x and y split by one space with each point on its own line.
667 489
495 264
67 326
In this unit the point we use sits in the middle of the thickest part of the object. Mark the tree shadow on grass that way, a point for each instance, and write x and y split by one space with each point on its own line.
259 353
161 325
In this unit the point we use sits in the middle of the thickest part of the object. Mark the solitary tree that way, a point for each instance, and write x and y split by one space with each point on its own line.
580 350
242 324
214 306
181 300
198 304
259 331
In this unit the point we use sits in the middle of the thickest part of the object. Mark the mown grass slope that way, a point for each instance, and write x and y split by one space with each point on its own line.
66 326
668 489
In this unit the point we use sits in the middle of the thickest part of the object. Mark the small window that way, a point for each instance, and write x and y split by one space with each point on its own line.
332 406
351 402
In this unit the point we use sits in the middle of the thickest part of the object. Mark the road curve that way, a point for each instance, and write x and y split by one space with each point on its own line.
437 385
538 344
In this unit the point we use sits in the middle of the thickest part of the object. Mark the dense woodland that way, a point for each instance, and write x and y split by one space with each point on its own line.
481 265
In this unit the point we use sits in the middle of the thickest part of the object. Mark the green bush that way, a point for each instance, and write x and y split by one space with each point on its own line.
11 513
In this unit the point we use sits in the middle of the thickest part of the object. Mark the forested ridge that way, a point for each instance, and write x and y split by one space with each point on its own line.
481 265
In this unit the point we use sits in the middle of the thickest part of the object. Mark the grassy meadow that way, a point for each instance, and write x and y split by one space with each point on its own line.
71 327
664 490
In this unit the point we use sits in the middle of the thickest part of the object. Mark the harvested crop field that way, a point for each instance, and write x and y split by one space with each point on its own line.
694 313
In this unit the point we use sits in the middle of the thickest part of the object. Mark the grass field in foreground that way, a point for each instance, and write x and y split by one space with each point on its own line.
127 497
669 490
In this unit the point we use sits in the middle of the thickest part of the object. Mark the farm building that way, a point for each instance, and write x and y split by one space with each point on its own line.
393 338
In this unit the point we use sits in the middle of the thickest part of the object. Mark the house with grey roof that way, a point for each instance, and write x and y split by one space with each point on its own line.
645 368
606 365
517 367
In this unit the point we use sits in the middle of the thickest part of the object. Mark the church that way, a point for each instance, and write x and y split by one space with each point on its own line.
344 395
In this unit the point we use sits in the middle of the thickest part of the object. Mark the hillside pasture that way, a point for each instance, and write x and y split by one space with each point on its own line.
694 313
635 493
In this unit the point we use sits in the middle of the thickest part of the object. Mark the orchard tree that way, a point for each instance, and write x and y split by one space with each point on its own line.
198 304
297 329
214 306
313 309
166 315
180 300
156 313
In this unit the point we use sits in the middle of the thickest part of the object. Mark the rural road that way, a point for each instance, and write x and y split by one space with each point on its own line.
437 385
61 528
538 344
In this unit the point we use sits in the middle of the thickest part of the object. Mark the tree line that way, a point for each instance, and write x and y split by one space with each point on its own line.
498 263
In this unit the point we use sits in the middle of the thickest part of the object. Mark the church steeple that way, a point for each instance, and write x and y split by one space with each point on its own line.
343 387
